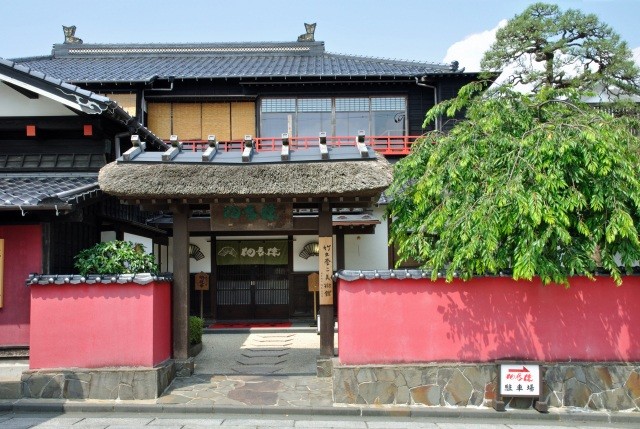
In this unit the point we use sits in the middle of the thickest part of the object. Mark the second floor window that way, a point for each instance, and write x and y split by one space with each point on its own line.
306 117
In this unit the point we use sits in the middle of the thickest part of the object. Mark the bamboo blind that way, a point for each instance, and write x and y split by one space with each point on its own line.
126 101
159 119
196 121
243 119
216 119
187 121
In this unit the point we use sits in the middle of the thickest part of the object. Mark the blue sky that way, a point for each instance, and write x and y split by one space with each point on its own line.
407 29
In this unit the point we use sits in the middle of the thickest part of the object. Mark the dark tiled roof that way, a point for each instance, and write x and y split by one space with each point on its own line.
94 279
129 63
46 191
94 103
27 75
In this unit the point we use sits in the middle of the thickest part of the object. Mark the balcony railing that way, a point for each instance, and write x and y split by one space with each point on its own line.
386 145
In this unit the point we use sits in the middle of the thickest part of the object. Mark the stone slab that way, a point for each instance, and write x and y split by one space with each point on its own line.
583 386
97 383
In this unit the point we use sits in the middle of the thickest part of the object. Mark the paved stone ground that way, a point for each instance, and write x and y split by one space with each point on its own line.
258 368
115 420
10 372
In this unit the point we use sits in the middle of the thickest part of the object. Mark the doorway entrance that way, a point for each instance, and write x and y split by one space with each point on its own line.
248 292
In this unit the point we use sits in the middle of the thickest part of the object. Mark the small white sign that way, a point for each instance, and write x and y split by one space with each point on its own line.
520 380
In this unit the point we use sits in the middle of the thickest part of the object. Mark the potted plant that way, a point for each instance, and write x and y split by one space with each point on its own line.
115 257
196 328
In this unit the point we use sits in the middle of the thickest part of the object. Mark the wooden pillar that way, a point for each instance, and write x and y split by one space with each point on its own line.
180 295
325 234
213 282
340 255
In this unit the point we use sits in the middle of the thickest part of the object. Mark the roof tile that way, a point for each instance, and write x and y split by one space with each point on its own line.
112 63
19 190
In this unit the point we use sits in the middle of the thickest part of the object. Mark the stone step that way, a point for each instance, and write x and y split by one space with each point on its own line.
265 353
271 341
255 370
261 361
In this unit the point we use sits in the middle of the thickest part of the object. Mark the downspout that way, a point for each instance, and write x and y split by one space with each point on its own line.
117 141
435 100
150 81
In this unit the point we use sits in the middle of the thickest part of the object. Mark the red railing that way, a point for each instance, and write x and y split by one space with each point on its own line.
386 145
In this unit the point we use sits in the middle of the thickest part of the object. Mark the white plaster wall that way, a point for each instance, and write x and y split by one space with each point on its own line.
107 236
301 264
12 103
203 264
312 263
147 243
368 251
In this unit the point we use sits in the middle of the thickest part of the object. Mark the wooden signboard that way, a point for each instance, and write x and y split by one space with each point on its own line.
1 272
251 217
313 282
326 270
520 380
202 281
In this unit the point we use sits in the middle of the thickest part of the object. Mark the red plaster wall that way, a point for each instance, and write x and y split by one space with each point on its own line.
412 321
23 255
93 326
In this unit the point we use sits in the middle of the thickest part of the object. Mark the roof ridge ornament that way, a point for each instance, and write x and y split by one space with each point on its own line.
174 150
322 145
247 152
69 35
284 151
137 147
308 36
360 144
212 149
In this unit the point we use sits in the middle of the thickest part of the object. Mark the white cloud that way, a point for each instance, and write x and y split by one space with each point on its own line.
469 51
636 55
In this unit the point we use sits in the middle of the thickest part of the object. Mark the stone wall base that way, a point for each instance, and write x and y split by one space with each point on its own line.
184 368
588 385
324 366
9 389
123 383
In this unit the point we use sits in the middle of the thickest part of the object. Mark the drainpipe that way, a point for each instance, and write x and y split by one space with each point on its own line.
435 99
150 81
117 141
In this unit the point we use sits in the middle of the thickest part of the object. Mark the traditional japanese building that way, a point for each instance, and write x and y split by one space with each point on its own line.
256 92
54 138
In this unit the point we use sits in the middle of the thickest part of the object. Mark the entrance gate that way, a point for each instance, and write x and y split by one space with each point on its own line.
252 292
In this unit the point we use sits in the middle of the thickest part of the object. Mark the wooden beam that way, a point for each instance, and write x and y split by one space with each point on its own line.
325 230
306 224
340 254
180 282
152 204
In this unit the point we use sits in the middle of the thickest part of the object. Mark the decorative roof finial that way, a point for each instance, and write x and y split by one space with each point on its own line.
69 33
308 36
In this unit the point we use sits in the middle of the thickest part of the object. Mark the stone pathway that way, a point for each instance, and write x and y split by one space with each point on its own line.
264 354
254 369
242 390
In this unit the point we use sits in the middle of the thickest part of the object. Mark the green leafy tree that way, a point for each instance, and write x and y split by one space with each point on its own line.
115 257
546 46
541 184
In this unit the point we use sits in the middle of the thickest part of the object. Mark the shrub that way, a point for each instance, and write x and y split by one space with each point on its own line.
196 326
115 257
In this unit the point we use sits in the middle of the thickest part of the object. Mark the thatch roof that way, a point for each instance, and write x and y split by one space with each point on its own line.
363 178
